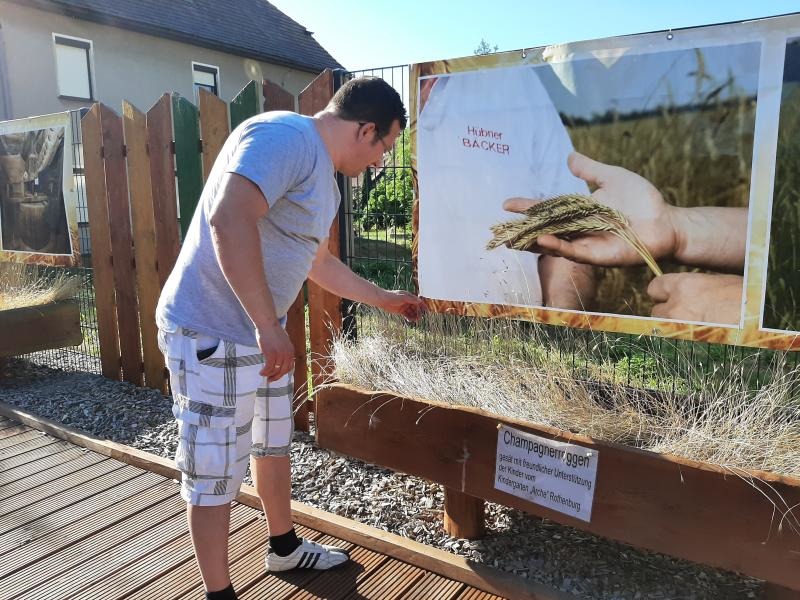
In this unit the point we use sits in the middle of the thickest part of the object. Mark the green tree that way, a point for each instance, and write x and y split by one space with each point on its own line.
485 48
390 193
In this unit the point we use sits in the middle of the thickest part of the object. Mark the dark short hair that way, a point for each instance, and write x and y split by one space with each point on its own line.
372 100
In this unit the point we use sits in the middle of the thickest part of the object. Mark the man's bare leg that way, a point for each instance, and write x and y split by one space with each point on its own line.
272 477
208 526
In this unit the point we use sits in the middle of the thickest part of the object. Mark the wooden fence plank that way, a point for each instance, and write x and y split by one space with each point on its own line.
245 105
187 158
668 504
276 98
296 329
102 270
213 128
162 179
144 233
325 309
121 245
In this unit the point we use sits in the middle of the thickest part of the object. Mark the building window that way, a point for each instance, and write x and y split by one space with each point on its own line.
206 77
74 67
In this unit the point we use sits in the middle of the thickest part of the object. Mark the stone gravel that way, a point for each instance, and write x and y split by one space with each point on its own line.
572 561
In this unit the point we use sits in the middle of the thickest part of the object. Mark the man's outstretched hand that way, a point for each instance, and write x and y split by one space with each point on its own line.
402 303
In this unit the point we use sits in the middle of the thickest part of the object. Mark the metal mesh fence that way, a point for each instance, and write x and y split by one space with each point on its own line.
85 357
377 246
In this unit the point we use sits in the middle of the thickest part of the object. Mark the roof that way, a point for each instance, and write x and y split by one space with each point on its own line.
249 28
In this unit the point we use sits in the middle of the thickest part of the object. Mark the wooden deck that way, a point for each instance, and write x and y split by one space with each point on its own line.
79 524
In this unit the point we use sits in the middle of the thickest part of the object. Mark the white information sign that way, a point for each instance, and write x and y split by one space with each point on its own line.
557 475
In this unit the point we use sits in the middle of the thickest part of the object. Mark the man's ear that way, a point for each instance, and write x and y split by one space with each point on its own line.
368 130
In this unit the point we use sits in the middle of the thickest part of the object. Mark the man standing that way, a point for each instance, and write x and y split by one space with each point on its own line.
259 231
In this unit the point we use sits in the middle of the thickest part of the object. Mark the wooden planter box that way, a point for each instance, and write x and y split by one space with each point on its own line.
34 328
683 508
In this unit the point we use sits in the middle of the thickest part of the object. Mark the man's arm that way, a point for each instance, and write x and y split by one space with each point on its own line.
711 237
333 275
234 217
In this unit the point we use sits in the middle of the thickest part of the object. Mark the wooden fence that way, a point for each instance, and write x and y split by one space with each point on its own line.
139 168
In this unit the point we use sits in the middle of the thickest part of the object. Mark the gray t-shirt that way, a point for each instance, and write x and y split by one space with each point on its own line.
284 155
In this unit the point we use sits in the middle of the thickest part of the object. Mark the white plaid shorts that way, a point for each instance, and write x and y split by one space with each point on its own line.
226 411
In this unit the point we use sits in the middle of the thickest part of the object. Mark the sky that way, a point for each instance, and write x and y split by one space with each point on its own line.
380 33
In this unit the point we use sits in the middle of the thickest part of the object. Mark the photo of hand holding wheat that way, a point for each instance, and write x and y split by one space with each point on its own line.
568 215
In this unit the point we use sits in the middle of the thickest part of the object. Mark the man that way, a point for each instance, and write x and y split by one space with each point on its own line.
259 231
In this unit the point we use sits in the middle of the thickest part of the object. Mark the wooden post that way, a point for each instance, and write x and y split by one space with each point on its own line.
245 105
276 98
162 178
102 272
187 158
213 128
119 215
325 309
144 232
463 515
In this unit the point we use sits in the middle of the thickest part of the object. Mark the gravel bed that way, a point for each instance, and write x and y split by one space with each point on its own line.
564 558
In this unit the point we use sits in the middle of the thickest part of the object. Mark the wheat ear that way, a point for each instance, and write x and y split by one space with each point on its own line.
565 215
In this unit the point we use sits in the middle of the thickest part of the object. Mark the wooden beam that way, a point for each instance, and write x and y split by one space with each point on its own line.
770 591
33 328
688 509
438 561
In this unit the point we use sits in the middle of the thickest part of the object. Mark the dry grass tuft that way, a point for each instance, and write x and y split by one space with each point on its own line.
721 419
568 215
25 285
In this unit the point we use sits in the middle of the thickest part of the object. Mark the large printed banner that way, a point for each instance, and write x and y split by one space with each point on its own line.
38 218
647 184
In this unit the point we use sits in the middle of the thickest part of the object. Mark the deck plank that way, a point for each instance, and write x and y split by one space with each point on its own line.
390 581
12 430
69 583
42 463
23 442
36 452
53 473
42 518
60 553
341 581
40 500
432 585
